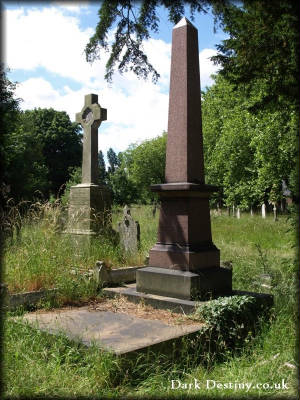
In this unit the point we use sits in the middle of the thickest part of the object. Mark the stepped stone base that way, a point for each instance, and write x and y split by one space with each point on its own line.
186 285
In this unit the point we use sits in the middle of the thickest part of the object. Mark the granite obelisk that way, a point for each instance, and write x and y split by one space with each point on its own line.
184 263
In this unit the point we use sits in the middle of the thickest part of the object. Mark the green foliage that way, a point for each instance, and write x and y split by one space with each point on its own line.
9 109
262 50
26 170
123 190
36 363
113 161
223 311
61 143
75 179
57 362
133 22
231 320
139 167
40 150
37 148
38 255
102 170
248 155
146 166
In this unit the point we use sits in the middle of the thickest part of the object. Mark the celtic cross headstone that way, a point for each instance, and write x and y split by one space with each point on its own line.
89 202
90 118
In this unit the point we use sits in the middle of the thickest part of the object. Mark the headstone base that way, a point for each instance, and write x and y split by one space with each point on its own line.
89 209
80 240
186 285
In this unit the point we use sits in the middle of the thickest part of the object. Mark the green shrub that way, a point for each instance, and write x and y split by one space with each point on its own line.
230 323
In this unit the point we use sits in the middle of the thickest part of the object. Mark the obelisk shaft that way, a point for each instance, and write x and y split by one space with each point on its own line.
184 158
184 263
184 231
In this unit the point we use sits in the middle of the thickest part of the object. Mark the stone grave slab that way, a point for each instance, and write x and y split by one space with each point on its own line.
117 332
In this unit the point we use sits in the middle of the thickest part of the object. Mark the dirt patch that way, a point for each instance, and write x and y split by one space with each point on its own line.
121 305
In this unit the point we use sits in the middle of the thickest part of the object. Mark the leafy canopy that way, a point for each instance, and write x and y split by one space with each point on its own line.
247 154
262 50
133 22
40 148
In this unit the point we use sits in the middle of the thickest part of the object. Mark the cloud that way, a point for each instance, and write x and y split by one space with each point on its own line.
131 117
159 55
207 68
46 37
36 92
71 7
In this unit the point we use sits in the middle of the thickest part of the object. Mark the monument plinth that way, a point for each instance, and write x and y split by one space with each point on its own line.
89 202
184 263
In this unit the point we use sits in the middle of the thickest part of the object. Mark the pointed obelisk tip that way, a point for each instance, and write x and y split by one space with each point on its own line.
183 22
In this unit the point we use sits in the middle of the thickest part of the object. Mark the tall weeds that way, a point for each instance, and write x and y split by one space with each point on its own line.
41 256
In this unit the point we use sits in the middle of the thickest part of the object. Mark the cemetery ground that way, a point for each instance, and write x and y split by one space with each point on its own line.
35 363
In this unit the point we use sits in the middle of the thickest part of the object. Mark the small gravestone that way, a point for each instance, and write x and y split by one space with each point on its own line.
263 211
89 203
129 231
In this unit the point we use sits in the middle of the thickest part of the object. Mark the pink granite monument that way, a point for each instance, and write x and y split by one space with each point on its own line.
184 263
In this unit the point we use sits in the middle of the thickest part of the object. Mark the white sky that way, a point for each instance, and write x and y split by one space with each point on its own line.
44 48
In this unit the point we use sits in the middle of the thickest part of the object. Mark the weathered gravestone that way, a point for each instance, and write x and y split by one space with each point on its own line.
184 263
89 202
129 231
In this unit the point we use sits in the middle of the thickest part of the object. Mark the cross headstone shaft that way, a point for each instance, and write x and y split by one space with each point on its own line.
90 118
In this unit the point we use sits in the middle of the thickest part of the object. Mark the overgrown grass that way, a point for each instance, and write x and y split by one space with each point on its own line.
41 364
39 255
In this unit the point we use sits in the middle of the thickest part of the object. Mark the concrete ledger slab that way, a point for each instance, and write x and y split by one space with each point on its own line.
117 332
